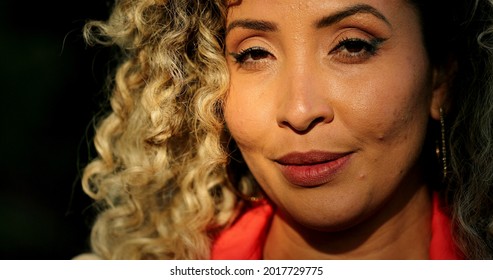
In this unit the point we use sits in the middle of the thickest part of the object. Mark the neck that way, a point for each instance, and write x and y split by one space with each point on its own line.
385 235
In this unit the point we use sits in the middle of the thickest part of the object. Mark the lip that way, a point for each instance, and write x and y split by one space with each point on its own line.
312 169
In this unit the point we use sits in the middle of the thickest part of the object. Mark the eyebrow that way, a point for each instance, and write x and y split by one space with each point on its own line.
267 26
350 11
259 25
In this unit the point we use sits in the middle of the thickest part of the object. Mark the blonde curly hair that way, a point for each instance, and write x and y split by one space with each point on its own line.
160 175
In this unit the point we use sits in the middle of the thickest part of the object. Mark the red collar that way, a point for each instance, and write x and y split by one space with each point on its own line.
244 240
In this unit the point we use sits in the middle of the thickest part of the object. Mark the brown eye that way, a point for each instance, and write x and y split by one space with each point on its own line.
355 50
357 46
254 54
354 46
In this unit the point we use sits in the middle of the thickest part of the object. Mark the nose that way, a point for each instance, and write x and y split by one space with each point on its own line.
303 101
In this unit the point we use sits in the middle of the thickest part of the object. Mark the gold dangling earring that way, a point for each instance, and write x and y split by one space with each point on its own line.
441 150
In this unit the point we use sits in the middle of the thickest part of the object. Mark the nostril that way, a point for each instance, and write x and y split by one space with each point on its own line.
303 128
315 122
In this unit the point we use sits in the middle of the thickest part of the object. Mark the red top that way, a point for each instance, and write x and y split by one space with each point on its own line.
244 240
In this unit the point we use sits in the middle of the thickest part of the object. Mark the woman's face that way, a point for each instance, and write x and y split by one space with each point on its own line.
329 103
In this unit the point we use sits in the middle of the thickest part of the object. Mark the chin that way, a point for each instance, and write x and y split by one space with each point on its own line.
328 216
330 224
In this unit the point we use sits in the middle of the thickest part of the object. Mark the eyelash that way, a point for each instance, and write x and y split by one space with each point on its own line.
356 50
243 55
361 51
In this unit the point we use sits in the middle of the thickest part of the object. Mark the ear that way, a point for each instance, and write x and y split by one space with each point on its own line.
442 80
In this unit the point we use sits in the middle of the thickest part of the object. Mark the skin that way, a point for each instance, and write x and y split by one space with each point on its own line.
360 85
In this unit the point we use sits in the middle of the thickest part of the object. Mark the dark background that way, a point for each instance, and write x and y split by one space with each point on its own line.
51 87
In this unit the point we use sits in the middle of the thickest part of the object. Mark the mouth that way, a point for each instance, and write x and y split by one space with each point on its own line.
313 168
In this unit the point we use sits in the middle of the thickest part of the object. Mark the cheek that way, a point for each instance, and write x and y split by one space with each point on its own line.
246 122
391 106
245 117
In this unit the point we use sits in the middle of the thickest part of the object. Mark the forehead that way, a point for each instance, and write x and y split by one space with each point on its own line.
294 9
